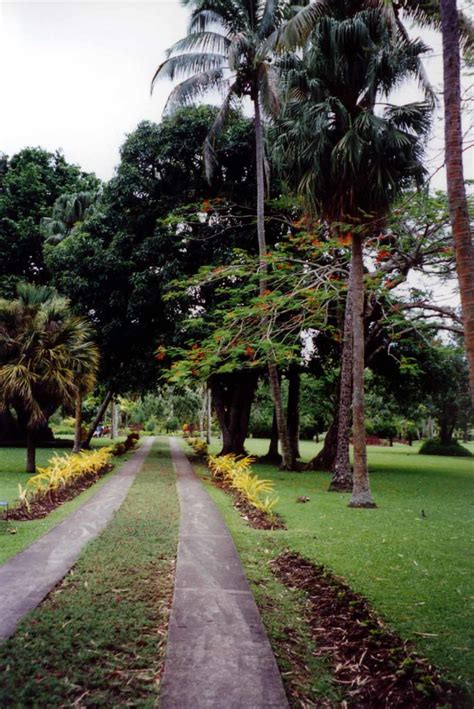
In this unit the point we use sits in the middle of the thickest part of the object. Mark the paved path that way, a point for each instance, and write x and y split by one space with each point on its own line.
218 654
29 576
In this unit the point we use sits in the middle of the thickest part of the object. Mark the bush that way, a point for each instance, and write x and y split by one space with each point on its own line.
151 424
63 472
435 447
236 473
199 446
129 443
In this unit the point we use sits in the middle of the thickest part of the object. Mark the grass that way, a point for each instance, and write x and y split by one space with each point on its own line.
12 464
99 637
416 571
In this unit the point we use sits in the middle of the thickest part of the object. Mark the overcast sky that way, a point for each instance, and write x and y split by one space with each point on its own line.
76 75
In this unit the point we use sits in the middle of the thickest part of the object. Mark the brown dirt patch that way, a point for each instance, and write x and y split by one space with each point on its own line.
372 665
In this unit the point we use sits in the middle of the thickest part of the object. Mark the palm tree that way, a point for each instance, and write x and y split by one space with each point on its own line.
68 210
459 213
348 156
47 356
226 48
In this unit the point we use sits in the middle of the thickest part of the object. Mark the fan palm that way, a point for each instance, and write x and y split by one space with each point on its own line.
349 157
226 48
47 356
68 210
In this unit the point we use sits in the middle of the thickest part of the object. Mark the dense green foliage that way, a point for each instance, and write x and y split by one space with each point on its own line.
30 183
434 446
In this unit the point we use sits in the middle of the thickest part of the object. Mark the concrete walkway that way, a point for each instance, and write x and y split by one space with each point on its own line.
29 576
218 654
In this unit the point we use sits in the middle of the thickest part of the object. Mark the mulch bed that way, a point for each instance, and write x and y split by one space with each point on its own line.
254 518
42 508
372 665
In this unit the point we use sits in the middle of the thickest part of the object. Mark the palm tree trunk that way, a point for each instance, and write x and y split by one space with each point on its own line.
293 409
342 473
459 214
209 415
98 418
30 452
288 462
361 495
78 424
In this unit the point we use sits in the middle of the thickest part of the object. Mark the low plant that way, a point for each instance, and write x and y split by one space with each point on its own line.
435 447
236 472
199 446
61 473
126 445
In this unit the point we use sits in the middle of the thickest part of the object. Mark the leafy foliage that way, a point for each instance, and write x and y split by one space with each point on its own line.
62 472
236 473
434 446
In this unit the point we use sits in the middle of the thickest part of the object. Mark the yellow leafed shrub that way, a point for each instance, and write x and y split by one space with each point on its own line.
64 472
199 446
236 472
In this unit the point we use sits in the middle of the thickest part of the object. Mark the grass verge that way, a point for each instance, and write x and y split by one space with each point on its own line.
414 570
99 637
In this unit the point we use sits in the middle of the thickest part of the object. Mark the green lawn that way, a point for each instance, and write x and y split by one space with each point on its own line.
12 466
415 570
98 640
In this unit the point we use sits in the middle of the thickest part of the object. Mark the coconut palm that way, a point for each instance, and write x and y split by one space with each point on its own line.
459 213
348 156
226 48
47 357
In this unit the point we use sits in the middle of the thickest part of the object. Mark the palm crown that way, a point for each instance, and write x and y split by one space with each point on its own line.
348 155
226 48
47 354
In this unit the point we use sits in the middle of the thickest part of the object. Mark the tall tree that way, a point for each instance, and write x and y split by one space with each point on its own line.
227 48
453 141
349 161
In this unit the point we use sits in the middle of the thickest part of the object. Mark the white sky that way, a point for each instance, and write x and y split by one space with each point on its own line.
75 75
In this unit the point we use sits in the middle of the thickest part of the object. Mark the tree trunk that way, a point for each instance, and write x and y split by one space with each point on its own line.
98 418
232 396
273 456
293 409
326 457
458 209
209 416
78 424
30 452
288 462
361 495
342 473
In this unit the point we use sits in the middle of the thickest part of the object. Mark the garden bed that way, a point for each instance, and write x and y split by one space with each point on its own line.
373 666
255 518
39 509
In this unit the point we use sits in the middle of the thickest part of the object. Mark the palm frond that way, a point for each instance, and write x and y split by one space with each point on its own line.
186 65
186 93
296 31
210 160
204 41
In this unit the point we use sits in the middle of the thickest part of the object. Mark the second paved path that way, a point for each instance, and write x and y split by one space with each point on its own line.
218 653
